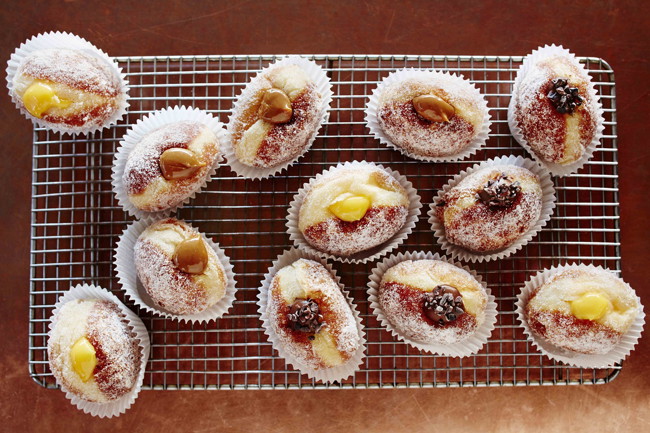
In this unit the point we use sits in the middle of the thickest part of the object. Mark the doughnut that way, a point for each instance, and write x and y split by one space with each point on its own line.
310 316
491 208
169 164
275 117
179 270
432 301
352 209
92 352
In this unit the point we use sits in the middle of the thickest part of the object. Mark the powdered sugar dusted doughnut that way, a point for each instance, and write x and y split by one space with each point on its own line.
169 164
92 352
555 106
68 89
431 301
431 114
179 271
310 316
582 309
275 117
491 208
352 209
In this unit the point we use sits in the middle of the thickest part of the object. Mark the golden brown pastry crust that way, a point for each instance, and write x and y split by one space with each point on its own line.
93 87
408 130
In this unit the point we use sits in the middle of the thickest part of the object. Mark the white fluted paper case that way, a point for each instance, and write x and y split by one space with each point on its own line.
467 347
119 406
128 278
615 356
64 40
529 61
444 79
332 374
364 256
143 127
322 83
548 204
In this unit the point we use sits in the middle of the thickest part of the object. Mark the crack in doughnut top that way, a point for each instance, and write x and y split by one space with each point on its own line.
480 227
337 340
555 137
262 143
385 216
168 286
409 130
556 310
143 179
77 89
116 350
405 287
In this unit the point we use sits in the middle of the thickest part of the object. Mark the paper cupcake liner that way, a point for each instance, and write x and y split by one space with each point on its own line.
548 204
372 106
467 347
324 87
559 170
120 405
616 355
128 278
332 374
364 256
69 41
144 126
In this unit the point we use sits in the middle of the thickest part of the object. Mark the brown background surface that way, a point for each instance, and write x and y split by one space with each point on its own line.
614 30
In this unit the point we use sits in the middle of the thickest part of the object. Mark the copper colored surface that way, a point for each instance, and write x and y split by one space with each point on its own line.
615 31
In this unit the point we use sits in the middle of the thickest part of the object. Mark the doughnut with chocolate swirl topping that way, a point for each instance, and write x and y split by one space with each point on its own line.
555 107
491 208
310 317
432 301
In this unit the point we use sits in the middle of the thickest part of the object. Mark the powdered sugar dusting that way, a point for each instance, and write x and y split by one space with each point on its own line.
566 331
170 289
344 238
73 68
403 308
288 140
471 224
316 281
385 217
116 349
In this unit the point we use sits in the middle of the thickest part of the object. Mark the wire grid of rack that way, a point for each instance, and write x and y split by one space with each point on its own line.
76 223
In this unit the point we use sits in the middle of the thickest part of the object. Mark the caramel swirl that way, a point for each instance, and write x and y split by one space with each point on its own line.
191 256
433 108
177 163
275 107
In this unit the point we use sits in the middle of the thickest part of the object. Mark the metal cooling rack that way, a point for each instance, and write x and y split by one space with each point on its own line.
76 223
